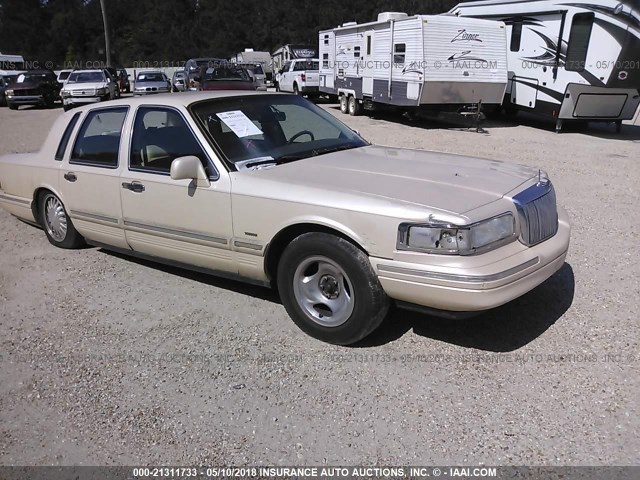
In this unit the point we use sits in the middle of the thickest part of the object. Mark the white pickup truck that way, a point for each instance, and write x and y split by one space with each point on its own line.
300 77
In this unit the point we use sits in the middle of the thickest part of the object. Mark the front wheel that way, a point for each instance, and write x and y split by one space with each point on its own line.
12 106
344 104
57 224
296 90
329 289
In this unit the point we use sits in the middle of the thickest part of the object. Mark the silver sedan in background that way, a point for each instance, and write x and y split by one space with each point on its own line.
151 82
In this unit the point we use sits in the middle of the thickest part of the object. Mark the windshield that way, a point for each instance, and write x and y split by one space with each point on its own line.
64 75
262 129
225 73
31 77
150 77
86 77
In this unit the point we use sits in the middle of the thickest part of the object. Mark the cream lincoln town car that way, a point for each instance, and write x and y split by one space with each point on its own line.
271 189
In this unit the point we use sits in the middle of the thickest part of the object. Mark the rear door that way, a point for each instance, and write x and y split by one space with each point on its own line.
368 63
89 178
174 219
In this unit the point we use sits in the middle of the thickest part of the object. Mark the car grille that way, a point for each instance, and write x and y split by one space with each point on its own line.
89 92
25 92
538 213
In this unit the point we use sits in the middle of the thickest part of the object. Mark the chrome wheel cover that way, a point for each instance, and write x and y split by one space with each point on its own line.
55 218
323 291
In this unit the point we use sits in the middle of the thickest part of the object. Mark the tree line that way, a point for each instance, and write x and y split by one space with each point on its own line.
61 33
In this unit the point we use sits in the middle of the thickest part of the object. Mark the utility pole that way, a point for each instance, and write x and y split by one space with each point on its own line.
106 33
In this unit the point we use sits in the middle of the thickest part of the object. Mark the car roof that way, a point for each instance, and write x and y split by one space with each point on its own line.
182 99
85 70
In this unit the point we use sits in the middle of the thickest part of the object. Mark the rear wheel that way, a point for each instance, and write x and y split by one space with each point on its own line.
56 223
355 107
329 288
344 104
296 90
277 87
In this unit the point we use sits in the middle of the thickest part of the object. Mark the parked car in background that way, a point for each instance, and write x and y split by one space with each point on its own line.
274 190
300 77
112 75
5 81
123 80
179 81
227 77
63 75
33 87
256 72
195 68
151 82
87 86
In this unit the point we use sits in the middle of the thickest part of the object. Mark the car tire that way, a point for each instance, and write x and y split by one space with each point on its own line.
66 108
355 107
12 106
329 288
56 223
277 87
344 104
296 90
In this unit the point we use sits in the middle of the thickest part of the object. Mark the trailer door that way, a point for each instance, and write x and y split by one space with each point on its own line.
368 64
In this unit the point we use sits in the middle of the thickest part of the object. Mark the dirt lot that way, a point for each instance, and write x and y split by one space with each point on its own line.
108 360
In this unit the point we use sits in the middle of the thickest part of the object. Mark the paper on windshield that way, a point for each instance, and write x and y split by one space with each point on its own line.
239 123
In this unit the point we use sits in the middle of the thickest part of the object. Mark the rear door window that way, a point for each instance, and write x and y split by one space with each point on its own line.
98 141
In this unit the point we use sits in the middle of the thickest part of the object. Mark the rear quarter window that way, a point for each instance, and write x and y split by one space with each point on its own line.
64 141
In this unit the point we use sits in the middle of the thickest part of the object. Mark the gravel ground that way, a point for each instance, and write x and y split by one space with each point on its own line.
109 360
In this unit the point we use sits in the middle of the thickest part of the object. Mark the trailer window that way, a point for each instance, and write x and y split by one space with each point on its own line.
579 41
326 39
368 44
516 35
325 60
399 50
356 52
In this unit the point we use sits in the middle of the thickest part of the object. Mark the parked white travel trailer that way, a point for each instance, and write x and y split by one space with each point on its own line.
251 57
434 62
573 60
291 52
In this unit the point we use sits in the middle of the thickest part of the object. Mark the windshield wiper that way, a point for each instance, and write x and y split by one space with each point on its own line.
292 157
336 148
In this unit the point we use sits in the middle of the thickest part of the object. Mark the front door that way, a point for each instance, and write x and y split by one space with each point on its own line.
174 219
89 178
368 64
286 78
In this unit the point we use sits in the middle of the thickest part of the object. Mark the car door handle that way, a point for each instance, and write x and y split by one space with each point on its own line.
70 177
136 187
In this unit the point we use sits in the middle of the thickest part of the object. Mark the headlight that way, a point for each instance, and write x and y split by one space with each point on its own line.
457 240
101 91
8 93
65 94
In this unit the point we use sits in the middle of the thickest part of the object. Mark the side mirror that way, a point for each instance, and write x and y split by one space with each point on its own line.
189 168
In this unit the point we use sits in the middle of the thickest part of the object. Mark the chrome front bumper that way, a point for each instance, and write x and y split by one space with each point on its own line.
481 286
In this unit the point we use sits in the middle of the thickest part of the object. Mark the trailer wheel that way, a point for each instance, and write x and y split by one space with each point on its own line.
355 107
344 107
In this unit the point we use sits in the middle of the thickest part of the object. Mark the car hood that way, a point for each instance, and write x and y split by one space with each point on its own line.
151 85
85 86
25 85
228 85
446 182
